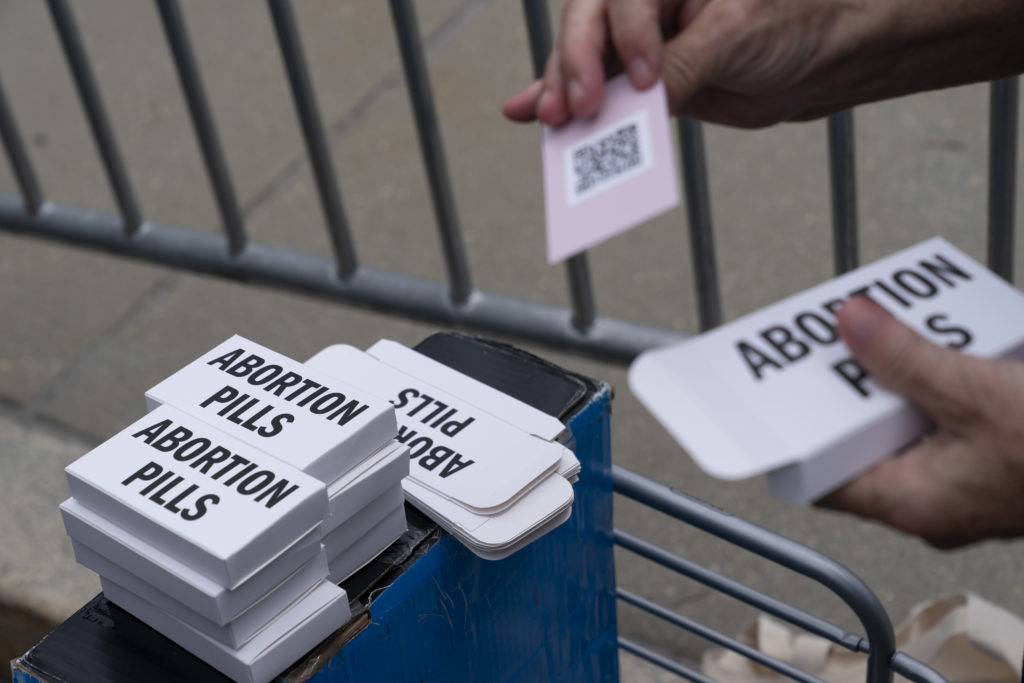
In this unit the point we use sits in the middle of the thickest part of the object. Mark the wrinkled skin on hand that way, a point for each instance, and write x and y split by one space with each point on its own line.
752 63
963 482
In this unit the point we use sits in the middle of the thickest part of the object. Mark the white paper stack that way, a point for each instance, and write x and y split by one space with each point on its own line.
366 511
485 466
227 515
321 423
778 392
212 542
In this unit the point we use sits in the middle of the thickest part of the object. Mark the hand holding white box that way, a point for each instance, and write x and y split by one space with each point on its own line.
777 391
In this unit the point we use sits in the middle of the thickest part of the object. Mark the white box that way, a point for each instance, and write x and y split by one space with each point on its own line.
219 505
459 451
777 389
315 422
363 522
243 627
372 544
364 483
499 404
497 536
291 635
116 550
223 507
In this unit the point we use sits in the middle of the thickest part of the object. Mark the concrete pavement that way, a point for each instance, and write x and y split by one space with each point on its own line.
86 333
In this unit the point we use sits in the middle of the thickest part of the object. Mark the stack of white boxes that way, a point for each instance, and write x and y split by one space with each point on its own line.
487 467
225 517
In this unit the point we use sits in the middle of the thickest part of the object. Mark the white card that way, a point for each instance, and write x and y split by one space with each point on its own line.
456 449
319 424
606 174
223 506
493 537
778 387
499 404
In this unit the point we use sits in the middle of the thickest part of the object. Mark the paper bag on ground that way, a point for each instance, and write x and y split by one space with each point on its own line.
963 637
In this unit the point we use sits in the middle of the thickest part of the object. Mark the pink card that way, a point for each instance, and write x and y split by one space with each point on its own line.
607 174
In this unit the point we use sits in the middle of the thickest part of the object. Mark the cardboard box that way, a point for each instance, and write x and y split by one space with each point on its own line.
243 627
297 630
457 450
776 391
315 422
222 507
116 551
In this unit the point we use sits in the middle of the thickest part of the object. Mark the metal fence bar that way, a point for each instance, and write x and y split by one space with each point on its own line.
577 268
538 30
843 184
714 636
18 157
1002 175
778 549
202 121
662 661
698 213
910 668
313 132
92 103
429 131
740 591
421 299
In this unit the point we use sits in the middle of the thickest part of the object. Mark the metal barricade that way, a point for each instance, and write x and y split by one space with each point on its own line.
459 303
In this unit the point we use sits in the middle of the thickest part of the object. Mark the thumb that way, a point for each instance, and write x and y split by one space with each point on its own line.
901 360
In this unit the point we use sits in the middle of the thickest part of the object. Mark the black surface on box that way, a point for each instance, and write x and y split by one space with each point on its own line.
102 642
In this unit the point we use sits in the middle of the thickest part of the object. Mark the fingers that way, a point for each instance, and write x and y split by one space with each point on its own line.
935 379
581 45
522 107
636 36
905 493
552 105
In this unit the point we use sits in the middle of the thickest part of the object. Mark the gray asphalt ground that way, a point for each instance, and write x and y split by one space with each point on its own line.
85 333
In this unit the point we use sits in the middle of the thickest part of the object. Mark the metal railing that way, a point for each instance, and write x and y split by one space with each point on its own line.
878 643
458 302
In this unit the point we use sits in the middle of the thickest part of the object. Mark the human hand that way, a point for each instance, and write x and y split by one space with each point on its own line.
749 63
965 481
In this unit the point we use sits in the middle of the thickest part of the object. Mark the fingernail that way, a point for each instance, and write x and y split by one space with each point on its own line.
640 73
575 91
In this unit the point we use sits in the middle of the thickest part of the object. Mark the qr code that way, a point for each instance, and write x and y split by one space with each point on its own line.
606 159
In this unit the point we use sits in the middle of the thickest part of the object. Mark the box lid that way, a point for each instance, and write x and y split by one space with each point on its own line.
317 423
456 449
